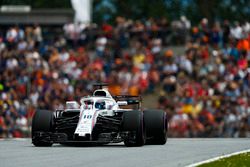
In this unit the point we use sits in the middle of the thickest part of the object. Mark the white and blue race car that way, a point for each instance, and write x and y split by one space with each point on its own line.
101 119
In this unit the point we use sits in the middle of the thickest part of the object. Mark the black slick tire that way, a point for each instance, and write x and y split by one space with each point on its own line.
42 122
133 122
156 126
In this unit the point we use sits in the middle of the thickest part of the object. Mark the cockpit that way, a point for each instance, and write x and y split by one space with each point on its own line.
92 104
100 105
101 100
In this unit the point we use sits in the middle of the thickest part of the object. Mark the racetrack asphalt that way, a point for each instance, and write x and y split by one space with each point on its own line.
176 152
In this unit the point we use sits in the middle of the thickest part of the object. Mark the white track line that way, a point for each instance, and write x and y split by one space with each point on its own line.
14 139
217 158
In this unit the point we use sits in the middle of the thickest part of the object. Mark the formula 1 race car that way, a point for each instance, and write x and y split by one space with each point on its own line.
101 119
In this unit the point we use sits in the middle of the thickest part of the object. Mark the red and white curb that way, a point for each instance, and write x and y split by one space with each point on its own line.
217 158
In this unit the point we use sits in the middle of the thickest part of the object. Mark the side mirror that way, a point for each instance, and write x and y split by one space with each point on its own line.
72 105
122 103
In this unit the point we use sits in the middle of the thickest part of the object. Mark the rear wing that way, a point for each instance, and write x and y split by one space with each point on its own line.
128 100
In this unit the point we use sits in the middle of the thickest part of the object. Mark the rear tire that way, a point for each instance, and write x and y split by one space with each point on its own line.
42 122
156 126
133 122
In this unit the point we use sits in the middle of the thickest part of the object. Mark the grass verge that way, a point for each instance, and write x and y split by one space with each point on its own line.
240 160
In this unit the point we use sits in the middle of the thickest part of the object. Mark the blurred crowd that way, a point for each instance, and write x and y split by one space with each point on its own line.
205 90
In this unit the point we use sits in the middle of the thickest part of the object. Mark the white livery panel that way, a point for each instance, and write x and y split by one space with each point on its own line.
86 122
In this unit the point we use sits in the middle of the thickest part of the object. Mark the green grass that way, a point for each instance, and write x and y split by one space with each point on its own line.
240 160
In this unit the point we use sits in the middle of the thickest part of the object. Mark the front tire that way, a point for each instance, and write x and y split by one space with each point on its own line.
133 122
42 122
